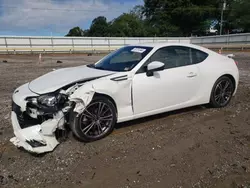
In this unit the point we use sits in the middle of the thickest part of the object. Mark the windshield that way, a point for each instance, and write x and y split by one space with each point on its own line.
124 59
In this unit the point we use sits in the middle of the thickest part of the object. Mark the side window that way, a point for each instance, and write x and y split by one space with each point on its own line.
198 56
167 55
176 56
184 56
173 56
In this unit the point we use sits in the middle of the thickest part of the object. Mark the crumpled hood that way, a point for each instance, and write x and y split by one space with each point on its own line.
57 79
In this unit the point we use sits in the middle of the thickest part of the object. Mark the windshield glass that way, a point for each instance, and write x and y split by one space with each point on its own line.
124 59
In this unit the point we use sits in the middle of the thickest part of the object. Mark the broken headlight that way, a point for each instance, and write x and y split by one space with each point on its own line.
49 100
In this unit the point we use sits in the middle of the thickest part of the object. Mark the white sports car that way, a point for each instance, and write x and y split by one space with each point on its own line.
132 82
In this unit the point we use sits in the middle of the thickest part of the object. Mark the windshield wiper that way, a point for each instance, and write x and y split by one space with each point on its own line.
93 66
100 68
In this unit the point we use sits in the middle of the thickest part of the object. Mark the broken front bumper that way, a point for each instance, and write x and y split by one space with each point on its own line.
35 138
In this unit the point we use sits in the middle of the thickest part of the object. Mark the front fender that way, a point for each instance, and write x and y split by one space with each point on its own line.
120 91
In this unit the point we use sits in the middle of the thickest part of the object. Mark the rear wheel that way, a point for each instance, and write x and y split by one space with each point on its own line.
96 121
222 92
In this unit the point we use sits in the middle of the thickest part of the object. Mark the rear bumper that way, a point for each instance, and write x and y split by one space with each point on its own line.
31 138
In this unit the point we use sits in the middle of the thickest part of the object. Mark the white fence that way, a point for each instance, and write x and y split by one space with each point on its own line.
224 41
74 44
12 44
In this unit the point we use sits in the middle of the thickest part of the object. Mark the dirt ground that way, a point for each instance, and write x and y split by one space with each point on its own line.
194 147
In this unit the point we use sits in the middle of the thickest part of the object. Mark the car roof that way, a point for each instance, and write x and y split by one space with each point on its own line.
165 44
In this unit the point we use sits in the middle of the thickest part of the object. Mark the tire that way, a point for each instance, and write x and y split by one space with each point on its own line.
222 92
93 124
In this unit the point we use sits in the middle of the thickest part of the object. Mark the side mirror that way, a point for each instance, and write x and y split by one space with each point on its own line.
153 67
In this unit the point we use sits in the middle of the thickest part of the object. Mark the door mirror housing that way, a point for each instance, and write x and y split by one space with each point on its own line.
153 67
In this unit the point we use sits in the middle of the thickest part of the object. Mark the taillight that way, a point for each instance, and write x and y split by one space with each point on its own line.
236 62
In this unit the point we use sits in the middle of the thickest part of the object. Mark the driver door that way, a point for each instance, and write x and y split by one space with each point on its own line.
172 88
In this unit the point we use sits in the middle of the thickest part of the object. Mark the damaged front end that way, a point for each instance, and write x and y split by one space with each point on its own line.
36 119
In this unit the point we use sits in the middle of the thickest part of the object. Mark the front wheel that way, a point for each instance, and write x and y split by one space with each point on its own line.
96 121
222 92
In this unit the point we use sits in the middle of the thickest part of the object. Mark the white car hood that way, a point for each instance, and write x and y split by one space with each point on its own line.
57 79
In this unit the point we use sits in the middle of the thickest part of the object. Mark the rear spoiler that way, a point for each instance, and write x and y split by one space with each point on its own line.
229 55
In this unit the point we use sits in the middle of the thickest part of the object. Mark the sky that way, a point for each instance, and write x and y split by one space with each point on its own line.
56 17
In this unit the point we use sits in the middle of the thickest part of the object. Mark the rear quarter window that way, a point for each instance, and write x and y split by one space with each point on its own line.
198 56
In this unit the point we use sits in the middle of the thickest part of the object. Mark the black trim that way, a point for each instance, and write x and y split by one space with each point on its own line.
120 78
35 143
23 118
151 72
132 99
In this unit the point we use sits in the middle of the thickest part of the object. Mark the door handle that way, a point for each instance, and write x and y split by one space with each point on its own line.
191 75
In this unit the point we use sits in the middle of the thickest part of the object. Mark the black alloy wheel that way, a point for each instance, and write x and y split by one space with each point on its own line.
222 92
96 121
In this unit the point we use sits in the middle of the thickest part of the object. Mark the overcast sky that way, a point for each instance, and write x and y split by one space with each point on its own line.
56 17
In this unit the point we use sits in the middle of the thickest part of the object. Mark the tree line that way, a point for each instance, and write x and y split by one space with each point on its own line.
171 18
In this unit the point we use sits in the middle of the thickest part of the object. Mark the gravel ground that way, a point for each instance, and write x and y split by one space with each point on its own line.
194 147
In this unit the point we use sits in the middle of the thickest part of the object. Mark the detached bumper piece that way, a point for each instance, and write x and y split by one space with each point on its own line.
29 132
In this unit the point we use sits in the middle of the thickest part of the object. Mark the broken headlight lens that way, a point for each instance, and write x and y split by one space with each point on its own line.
48 100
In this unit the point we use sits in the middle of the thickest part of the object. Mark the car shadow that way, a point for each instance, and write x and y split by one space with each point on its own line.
131 123
159 116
